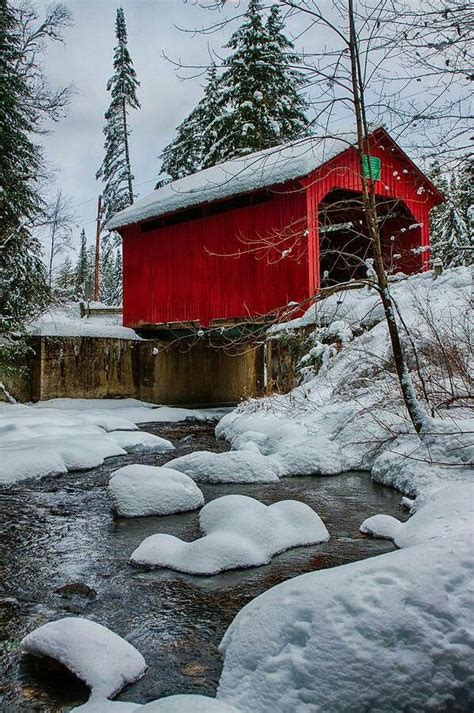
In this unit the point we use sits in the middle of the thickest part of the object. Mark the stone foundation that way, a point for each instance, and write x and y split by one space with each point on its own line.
154 370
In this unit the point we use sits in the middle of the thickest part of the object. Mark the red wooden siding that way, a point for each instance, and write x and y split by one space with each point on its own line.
170 275
193 270
398 180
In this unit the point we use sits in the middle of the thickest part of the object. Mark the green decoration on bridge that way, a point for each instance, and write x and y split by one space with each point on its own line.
372 167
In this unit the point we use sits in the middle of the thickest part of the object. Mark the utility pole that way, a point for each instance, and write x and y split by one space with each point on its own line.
97 250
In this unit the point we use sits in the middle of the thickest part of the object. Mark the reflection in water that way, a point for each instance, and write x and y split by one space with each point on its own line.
60 530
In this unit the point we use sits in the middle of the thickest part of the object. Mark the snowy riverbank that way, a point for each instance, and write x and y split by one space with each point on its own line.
393 632
60 435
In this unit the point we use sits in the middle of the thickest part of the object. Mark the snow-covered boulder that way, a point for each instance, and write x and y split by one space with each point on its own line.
188 704
231 467
99 657
138 490
238 532
97 704
140 441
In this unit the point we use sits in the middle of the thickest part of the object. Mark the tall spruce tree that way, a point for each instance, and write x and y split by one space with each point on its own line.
116 170
23 289
452 221
259 88
83 268
255 104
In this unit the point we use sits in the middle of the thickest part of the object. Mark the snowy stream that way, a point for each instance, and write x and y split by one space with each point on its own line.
60 530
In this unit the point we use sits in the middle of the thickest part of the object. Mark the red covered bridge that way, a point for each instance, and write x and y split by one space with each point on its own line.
250 236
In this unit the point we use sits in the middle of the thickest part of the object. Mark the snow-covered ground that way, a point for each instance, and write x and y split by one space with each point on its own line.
394 632
137 490
238 531
56 436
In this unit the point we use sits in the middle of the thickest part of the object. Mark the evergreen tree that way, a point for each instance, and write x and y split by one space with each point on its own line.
259 88
83 268
452 221
192 148
65 282
255 104
118 278
23 289
116 170
287 106
110 273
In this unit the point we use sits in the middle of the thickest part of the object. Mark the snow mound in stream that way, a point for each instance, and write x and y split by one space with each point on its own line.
189 703
96 655
138 490
238 532
141 441
233 467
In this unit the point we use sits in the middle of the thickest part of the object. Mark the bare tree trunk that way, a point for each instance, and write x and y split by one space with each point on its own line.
414 408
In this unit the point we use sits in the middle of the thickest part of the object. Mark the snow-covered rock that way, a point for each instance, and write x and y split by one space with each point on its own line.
233 467
137 490
96 655
188 704
238 532
139 441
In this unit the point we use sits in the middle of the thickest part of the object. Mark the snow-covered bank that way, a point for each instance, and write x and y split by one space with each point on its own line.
54 437
238 531
393 632
347 414
387 634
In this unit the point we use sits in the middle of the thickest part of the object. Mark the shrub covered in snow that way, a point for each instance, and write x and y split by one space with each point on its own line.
149 490
238 532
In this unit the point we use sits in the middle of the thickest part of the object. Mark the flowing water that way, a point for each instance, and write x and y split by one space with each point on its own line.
60 531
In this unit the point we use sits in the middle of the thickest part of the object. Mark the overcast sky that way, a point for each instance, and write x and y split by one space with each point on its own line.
75 147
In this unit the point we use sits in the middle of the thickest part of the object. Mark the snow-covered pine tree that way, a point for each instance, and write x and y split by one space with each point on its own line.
82 271
259 88
23 287
451 222
64 283
191 149
116 170
287 106
255 104
110 273
118 277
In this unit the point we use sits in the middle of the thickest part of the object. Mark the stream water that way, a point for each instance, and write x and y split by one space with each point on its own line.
60 531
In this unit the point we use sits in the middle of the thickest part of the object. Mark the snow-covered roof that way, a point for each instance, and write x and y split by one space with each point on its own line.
240 175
